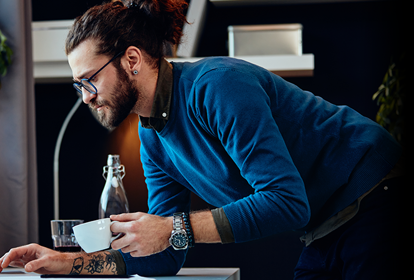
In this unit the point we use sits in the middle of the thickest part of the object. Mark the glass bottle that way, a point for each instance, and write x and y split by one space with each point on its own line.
113 198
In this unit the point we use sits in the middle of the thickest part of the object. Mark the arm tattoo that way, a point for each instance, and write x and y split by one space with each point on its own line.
77 266
97 264
110 263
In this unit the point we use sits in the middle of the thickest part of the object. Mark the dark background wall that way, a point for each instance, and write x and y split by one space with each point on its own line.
352 43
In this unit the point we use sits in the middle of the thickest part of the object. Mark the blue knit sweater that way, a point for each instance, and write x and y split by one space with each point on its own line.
273 156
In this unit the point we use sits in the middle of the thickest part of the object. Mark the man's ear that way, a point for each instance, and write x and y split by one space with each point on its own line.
133 59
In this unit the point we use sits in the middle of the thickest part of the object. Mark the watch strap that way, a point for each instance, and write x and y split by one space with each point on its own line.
178 221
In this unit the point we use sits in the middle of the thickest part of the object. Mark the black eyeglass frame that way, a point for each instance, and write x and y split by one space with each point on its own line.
89 86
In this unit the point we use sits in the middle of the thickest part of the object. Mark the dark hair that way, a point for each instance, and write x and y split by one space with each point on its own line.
150 25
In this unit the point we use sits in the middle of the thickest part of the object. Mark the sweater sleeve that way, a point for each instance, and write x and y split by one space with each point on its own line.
165 263
165 197
234 107
148 266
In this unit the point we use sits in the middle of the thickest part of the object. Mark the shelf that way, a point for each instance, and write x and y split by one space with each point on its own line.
51 64
282 65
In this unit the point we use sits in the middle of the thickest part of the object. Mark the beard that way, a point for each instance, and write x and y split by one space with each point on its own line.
122 101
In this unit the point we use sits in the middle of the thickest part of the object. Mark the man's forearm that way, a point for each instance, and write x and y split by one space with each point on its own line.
94 263
204 228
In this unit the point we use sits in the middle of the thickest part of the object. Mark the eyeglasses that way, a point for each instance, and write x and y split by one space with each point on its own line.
87 84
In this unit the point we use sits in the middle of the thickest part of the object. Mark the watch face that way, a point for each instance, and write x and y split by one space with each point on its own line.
179 240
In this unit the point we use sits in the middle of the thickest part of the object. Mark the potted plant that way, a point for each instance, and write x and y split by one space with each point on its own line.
390 97
5 55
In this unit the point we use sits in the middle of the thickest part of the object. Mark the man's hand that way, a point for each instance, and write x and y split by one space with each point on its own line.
35 258
144 234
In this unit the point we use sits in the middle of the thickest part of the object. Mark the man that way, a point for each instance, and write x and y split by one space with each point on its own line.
270 156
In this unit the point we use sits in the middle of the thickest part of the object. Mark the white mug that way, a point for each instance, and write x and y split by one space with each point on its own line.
95 235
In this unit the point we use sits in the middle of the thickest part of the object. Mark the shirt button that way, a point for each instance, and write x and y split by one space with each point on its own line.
164 115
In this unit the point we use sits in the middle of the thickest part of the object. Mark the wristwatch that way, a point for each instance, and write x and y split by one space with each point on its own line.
178 239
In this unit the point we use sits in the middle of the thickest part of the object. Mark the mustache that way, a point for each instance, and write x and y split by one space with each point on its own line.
93 104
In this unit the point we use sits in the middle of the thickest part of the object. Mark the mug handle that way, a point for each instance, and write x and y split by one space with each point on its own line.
119 234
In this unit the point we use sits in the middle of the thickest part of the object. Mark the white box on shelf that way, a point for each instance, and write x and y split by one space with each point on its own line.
272 39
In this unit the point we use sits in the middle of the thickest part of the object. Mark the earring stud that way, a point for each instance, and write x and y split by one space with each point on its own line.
135 72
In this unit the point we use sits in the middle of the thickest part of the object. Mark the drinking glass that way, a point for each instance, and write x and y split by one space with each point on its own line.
63 237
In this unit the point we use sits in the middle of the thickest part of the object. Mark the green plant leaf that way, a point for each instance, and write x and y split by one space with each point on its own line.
5 55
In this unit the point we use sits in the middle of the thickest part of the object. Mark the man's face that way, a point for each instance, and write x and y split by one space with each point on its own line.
122 99
116 93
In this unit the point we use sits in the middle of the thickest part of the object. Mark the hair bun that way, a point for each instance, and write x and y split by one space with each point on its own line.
147 7
150 25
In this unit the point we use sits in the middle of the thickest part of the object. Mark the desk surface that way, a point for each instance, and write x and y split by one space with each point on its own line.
184 273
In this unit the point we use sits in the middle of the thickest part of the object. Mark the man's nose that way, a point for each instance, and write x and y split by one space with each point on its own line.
87 96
